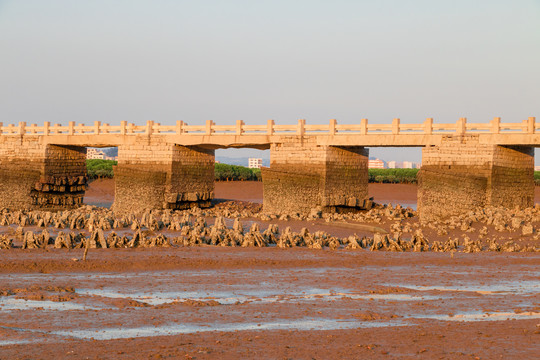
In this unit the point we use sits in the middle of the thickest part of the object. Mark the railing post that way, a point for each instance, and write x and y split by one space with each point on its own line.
1 126
123 125
270 127
32 129
97 124
22 127
395 126
496 125
149 125
301 127
209 124
363 126
461 125
428 126
332 127
46 128
532 125
156 128
179 127
71 127
239 124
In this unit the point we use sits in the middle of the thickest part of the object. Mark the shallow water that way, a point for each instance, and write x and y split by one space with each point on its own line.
11 303
479 316
502 287
174 329
247 295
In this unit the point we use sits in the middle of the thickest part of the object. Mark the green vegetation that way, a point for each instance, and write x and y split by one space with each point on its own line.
537 178
226 172
393 176
98 168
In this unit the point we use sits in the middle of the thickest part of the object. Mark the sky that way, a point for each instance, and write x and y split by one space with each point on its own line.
166 60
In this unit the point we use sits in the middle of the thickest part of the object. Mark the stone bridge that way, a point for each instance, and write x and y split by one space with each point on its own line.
464 165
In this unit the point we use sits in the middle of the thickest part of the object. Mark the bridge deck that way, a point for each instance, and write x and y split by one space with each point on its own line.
396 134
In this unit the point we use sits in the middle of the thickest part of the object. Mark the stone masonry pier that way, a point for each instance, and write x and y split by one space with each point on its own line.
461 174
172 167
304 175
41 176
156 175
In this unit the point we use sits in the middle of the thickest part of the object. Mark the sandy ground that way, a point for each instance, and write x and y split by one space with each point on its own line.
267 303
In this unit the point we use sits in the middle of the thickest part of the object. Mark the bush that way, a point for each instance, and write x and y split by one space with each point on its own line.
226 172
98 168
537 177
393 176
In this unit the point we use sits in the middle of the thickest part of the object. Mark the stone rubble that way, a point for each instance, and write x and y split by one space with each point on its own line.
94 227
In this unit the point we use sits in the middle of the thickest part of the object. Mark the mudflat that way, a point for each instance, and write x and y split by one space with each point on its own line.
208 302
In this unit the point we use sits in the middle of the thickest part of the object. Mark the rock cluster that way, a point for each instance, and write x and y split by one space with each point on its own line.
90 227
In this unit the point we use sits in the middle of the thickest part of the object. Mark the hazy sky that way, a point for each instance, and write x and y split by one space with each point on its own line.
167 60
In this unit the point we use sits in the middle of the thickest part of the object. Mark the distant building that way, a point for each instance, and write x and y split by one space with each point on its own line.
92 153
537 168
408 165
392 164
255 163
376 164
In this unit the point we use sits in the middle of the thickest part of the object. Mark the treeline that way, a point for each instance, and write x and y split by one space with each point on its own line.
226 172
393 176
98 168
537 178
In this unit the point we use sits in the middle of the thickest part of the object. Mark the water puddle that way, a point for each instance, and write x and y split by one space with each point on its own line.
15 342
497 316
10 303
174 329
258 296
507 287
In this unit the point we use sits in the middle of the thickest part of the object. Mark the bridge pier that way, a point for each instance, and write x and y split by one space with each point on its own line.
157 175
462 173
304 175
34 175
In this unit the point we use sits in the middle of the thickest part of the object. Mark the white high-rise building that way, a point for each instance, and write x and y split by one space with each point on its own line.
92 153
255 163
408 165
392 164
376 164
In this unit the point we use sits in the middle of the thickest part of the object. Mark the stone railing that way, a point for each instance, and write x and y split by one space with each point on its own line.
428 127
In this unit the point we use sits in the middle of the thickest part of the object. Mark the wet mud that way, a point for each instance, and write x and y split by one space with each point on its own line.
203 301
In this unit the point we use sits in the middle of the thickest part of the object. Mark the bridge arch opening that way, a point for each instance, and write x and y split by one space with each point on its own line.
238 174
393 175
100 164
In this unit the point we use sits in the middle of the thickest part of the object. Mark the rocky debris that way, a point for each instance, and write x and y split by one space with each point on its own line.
5 242
471 246
191 228
527 229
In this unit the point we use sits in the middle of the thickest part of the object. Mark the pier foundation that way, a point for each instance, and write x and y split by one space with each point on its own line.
304 175
461 174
